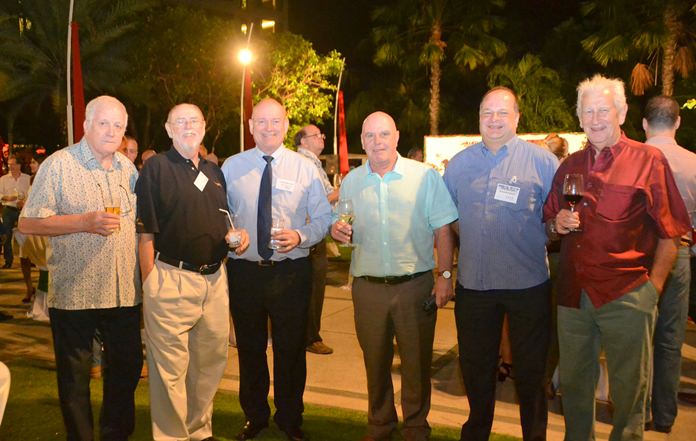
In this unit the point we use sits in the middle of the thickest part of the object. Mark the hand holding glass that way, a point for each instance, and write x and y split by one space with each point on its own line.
112 204
235 237
573 191
344 208
277 225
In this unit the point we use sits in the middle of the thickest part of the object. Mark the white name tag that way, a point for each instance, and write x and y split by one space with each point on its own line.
200 181
284 184
507 193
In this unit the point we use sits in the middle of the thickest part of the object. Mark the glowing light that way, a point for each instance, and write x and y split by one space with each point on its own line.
244 56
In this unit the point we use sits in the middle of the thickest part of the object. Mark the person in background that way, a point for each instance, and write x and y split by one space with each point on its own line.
618 246
13 192
661 121
24 261
310 143
129 148
416 153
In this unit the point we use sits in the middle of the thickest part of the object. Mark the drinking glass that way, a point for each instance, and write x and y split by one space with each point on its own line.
277 225
573 191
344 208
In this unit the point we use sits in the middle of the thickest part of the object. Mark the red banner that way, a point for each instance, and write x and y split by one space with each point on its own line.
343 165
248 107
77 87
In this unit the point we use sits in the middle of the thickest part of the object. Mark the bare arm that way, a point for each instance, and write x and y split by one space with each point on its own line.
96 222
665 254
444 242
146 254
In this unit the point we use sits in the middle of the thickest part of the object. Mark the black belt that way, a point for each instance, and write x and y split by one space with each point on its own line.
11 207
393 280
205 270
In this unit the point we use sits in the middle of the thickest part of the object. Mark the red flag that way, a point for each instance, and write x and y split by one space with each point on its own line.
343 166
248 139
77 87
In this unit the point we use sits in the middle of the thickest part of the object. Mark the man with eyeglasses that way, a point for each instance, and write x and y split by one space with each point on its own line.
95 282
310 143
183 224
279 198
499 186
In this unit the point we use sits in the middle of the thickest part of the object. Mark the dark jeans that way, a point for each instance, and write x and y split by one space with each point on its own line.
9 221
281 293
73 334
479 317
320 265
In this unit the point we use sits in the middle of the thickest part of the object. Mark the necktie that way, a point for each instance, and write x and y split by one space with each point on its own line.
603 160
264 215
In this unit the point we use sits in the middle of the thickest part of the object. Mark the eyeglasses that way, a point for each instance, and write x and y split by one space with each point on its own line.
112 202
321 135
183 122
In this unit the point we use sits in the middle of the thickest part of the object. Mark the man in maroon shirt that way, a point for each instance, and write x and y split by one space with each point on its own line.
617 249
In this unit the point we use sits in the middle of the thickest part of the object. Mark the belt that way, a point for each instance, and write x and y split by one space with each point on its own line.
205 270
11 207
393 280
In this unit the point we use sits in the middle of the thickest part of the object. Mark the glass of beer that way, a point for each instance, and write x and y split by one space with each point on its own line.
112 204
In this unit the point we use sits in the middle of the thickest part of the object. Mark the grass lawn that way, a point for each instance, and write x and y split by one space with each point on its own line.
33 413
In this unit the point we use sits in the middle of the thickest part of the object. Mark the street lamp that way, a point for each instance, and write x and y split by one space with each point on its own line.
245 57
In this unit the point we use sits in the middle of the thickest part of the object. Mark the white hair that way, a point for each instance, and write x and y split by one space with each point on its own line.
600 83
102 100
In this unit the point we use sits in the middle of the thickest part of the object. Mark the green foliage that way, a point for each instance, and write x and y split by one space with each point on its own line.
289 70
690 103
542 107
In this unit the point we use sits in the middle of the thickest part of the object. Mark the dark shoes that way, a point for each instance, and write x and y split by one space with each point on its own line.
4 317
250 430
649 425
295 434
7 266
687 397
318 347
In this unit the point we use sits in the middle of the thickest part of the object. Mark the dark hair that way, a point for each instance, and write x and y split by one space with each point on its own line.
662 112
299 135
18 159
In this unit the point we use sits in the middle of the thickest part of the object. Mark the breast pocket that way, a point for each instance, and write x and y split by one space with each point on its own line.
616 201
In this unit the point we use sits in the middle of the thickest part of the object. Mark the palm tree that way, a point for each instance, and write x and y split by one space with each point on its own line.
659 33
33 39
411 34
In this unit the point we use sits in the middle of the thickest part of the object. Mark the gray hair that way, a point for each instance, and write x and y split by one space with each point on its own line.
599 83
99 101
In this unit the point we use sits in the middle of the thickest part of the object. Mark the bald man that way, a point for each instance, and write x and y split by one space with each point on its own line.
181 249
271 185
401 206
95 282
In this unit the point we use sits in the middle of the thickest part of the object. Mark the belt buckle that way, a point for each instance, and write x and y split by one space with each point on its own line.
265 263
208 269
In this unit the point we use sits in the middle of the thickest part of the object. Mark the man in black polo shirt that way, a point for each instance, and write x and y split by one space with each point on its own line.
181 249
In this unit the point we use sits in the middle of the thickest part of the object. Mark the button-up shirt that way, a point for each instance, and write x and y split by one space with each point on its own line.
320 168
298 198
630 201
683 165
9 186
87 270
500 199
395 217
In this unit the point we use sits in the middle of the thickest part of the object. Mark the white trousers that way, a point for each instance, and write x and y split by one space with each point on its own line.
4 388
186 327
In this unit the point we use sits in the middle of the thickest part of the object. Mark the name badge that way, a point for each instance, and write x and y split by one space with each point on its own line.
507 193
284 184
200 181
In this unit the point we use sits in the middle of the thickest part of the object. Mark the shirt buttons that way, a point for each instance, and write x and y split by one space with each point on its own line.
577 246
585 204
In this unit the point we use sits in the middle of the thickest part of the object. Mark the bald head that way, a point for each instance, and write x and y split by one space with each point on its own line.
380 139
268 125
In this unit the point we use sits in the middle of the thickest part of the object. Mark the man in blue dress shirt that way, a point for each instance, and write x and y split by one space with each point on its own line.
499 186
401 206
273 283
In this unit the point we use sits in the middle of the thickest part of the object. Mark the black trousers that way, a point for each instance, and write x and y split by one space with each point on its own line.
73 333
281 293
320 264
479 316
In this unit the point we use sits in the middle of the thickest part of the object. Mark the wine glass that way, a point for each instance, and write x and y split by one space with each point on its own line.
573 191
344 208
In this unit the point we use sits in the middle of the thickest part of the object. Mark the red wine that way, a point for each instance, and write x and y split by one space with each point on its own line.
572 198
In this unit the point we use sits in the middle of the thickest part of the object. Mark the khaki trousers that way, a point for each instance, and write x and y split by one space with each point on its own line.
383 312
186 329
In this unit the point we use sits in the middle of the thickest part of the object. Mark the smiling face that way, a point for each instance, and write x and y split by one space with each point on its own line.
600 119
268 125
498 118
380 139
104 130
186 127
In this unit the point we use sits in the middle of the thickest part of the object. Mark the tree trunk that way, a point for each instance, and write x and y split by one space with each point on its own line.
435 75
669 47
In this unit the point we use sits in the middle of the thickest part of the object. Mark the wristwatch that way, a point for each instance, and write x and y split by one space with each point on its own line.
552 226
446 274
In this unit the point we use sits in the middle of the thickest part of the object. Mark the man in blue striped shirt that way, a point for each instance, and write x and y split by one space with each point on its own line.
499 186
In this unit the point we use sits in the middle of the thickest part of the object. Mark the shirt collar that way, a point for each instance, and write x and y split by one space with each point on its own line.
87 157
174 156
507 148
307 152
398 166
277 154
614 150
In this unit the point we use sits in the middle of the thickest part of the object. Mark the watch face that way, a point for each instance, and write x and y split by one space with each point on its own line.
446 274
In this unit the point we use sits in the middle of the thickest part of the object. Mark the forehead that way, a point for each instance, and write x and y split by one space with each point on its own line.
378 123
310 130
598 97
268 110
110 112
186 111
498 99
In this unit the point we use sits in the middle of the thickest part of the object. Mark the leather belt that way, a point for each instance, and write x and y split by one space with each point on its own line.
393 280
205 270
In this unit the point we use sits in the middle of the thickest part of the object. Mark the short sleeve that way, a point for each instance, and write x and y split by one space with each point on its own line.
442 210
43 197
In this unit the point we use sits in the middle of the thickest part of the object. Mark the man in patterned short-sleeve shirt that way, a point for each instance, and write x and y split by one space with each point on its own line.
94 276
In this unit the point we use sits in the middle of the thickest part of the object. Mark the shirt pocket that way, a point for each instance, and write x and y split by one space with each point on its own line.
616 201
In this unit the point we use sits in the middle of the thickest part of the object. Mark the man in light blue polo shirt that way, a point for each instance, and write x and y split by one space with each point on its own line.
499 186
401 209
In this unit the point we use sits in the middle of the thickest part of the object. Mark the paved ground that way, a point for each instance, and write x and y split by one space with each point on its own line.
339 380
